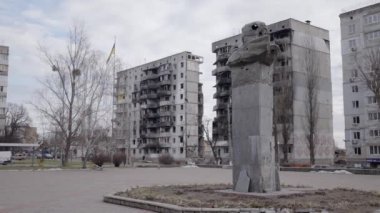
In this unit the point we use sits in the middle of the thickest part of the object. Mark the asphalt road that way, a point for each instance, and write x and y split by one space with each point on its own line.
82 190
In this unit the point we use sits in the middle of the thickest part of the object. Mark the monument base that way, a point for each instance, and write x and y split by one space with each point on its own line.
259 174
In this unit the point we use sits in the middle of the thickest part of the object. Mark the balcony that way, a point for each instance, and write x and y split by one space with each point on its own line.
165 82
152 125
143 96
152 115
166 113
149 76
149 135
224 93
164 145
166 123
166 72
164 92
152 105
166 103
221 69
153 85
224 80
223 56
220 106
221 117
148 96
143 86
219 94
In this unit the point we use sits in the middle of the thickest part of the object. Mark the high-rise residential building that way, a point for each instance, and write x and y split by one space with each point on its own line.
4 53
302 45
360 33
159 108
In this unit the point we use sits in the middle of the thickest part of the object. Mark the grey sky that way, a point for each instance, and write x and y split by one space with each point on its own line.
148 30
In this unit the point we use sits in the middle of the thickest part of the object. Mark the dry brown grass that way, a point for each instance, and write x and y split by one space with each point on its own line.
335 200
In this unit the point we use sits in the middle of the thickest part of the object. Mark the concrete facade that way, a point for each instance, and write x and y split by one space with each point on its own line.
159 108
295 38
4 53
360 31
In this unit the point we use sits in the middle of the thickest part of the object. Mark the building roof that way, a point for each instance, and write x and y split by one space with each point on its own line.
358 8
158 60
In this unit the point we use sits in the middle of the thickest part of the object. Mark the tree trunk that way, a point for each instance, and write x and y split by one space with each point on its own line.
67 151
285 151
84 162
216 158
276 157
285 136
312 150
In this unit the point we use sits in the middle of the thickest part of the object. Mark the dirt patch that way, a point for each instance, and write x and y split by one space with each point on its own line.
334 200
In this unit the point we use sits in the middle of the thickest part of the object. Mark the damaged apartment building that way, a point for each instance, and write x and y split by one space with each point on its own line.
4 53
159 108
360 32
301 44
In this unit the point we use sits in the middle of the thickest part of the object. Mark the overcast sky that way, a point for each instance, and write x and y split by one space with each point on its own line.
149 30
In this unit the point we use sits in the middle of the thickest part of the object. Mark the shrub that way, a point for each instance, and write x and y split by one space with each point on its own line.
166 159
118 158
99 159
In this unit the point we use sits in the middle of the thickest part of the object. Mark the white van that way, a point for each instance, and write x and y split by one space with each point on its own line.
5 157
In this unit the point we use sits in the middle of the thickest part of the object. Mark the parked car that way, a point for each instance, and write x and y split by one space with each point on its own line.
19 156
5 157
47 156
44 155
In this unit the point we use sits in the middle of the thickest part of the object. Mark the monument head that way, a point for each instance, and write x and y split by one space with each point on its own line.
254 30
256 46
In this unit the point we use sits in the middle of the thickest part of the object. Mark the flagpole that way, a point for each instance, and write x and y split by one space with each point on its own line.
114 98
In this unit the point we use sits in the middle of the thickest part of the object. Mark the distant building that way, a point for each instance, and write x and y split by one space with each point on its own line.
28 134
360 32
23 134
159 108
4 53
294 38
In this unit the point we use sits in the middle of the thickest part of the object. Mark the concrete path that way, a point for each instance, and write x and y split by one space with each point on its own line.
82 191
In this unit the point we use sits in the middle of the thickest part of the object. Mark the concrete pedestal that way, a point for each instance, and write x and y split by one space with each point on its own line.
254 167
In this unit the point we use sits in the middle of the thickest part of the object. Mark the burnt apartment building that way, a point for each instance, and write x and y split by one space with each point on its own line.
159 108
295 40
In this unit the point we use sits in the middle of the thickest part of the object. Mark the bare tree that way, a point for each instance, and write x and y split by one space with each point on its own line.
284 116
311 62
61 100
16 117
283 102
212 142
97 112
368 63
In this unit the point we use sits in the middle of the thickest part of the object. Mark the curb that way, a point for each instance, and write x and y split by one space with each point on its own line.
353 171
170 208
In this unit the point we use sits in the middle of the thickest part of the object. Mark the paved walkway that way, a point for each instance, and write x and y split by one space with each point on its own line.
82 191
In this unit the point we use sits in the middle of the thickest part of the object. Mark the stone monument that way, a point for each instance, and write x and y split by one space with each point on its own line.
254 167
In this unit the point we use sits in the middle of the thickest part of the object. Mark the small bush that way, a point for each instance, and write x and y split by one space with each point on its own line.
166 159
118 158
99 159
